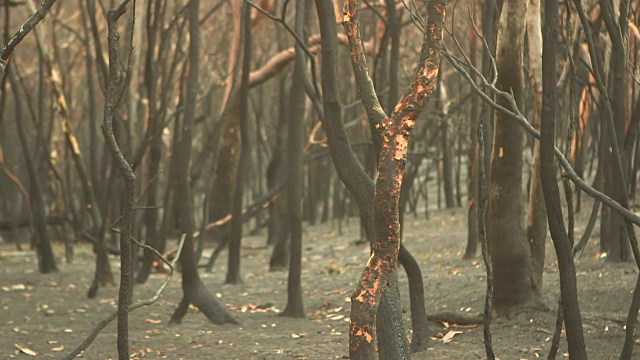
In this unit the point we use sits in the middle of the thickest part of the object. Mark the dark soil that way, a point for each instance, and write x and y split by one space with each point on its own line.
48 315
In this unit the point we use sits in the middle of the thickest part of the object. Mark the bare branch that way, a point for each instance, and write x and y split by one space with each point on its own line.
298 39
22 33
516 115
370 101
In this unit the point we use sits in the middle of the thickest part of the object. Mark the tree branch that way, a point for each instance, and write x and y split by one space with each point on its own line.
364 83
22 33
517 116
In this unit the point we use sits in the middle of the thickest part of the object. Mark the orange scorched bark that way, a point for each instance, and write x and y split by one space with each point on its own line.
394 132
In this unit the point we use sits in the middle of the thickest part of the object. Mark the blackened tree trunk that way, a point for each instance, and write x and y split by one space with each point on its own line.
103 275
46 259
489 30
473 231
222 188
561 242
151 217
194 291
614 186
295 149
278 225
420 336
393 30
111 101
235 235
510 253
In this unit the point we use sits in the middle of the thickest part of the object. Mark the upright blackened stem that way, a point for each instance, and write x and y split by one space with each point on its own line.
111 101
482 226
563 247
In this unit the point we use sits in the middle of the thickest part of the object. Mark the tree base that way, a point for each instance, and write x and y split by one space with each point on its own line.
197 294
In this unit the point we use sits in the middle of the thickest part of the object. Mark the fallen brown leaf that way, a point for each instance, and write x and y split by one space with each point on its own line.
26 350
449 336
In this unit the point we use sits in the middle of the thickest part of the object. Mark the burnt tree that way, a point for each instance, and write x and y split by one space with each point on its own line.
393 133
194 291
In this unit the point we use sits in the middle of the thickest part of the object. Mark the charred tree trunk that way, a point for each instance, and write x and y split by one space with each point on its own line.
278 225
619 249
111 101
295 306
510 253
44 251
222 189
561 242
235 235
420 336
473 230
151 217
194 291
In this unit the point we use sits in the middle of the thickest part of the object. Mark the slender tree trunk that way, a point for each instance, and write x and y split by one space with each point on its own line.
235 235
446 147
114 84
44 251
618 238
279 229
536 215
223 189
561 242
194 291
490 14
151 217
295 306
103 275
473 231
393 29
223 186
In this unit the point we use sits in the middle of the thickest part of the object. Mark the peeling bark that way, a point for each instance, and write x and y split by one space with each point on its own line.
394 132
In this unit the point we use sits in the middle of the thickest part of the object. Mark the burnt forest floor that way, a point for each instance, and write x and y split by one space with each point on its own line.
45 316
